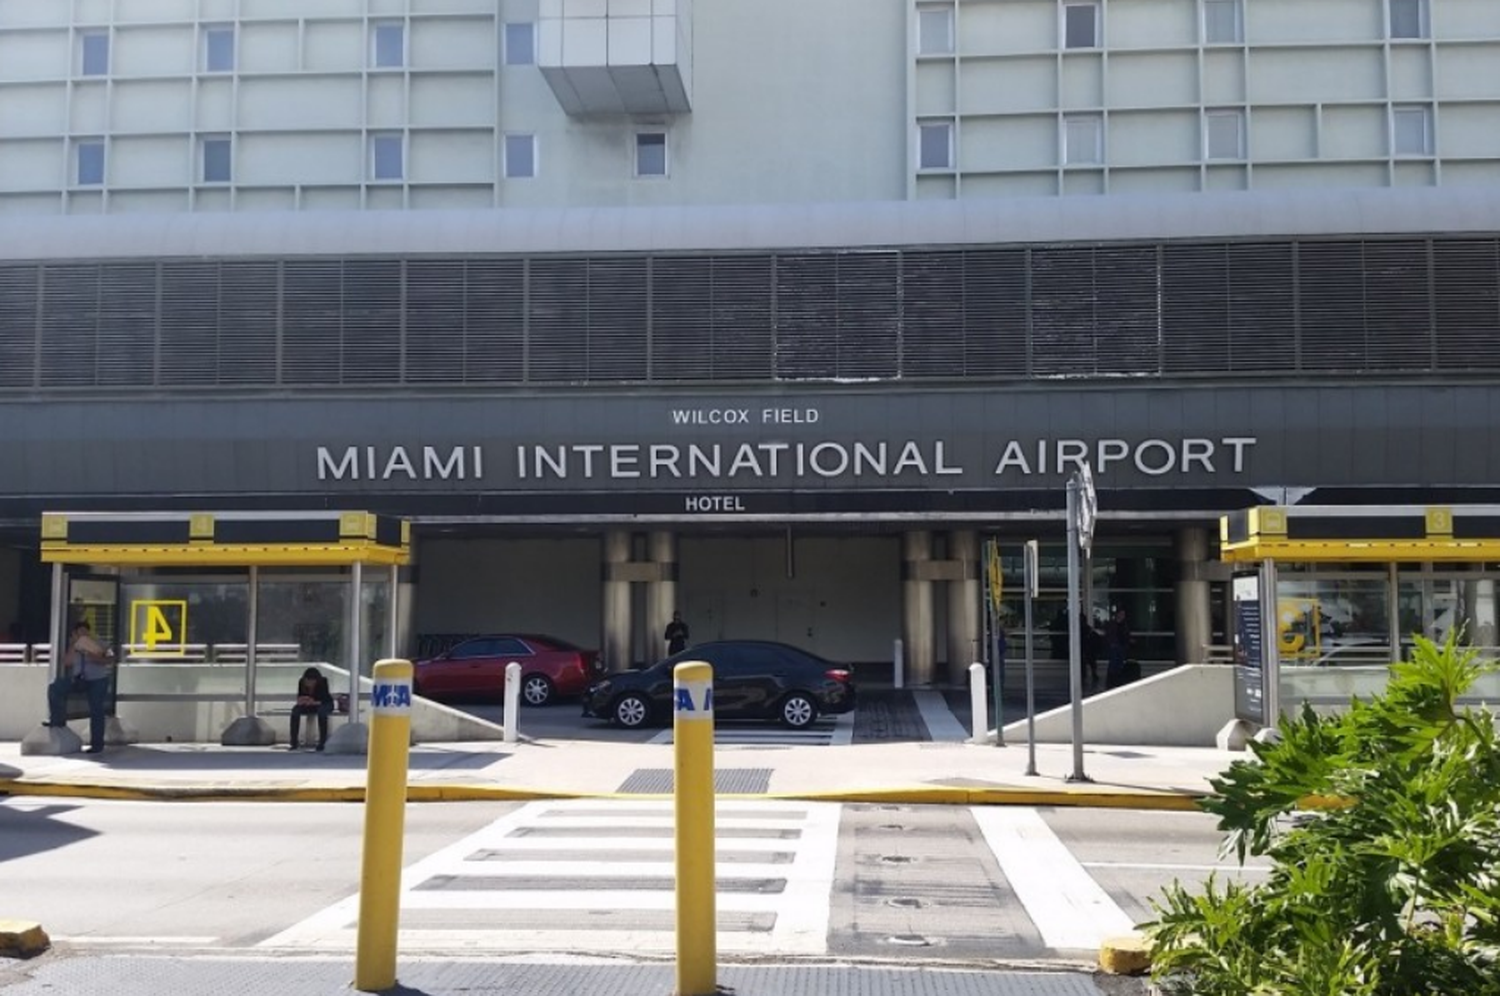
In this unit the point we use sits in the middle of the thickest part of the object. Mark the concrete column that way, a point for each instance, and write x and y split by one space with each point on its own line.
916 607
616 642
404 619
661 594
965 634
1194 623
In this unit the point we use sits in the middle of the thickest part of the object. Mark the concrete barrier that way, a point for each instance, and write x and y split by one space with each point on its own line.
1184 707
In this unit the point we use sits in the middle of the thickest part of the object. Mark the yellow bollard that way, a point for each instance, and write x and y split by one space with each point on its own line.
693 739
385 827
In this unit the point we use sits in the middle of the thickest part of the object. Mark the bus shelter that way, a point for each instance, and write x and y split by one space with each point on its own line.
214 615
1326 598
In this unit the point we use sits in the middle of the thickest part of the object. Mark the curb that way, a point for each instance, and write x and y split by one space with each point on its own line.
1183 801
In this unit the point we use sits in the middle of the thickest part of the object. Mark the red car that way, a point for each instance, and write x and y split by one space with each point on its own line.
475 669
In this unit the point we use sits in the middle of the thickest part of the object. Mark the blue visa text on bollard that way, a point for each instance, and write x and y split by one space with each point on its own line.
694 700
391 697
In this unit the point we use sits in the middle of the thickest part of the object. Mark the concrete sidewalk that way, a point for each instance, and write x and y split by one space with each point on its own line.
914 772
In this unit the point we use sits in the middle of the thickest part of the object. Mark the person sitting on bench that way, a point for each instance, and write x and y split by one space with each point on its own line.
313 699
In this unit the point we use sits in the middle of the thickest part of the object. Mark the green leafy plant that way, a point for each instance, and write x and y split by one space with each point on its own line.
1382 824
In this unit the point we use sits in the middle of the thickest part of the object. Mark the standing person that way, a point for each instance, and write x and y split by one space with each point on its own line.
87 663
313 699
676 634
1088 649
1117 645
1061 644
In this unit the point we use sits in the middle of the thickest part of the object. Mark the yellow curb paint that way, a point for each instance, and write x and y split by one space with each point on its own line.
1127 954
916 796
22 938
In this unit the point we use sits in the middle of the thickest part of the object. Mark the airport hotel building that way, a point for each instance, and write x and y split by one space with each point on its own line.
771 311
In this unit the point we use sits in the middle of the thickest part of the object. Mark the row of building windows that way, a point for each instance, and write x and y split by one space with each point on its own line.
387 47
1080 24
1081 137
387 157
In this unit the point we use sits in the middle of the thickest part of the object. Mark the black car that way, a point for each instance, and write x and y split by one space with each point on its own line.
753 679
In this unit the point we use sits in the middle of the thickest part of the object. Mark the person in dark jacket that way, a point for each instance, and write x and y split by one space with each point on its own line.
676 634
1117 644
313 699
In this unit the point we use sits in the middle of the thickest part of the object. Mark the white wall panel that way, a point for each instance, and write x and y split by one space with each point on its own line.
1023 26
452 157
935 87
1152 137
35 55
1469 71
1354 132
150 162
1283 133
280 102
336 46
156 10
1471 130
455 43
90 112
153 105
300 159
35 110
155 51
32 164
1323 21
216 110
1288 76
453 100
268 48
1010 143
1153 79
1223 77
1150 23
1010 85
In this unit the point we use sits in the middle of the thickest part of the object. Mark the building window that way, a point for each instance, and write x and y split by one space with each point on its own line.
90 156
1222 22
1080 25
935 29
217 160
94 54
1083 140
520 44
389 44
935 145
1411 131
1224 135
1408 18
520 156
386 157
651 153
218 49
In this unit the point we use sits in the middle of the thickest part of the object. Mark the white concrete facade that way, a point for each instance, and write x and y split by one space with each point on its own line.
114 106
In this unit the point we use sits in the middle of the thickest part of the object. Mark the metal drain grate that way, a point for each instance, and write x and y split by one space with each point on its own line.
727 781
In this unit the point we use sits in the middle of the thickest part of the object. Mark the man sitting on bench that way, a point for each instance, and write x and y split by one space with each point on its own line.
313 699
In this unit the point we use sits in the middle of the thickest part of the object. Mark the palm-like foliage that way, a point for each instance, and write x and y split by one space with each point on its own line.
1393 889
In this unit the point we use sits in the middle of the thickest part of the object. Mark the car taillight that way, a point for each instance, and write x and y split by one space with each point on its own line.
837 674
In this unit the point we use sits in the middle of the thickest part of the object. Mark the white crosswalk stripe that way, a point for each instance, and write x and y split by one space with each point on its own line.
827 731
597 876
1070 910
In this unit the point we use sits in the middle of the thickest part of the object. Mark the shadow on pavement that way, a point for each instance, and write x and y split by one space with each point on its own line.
204 757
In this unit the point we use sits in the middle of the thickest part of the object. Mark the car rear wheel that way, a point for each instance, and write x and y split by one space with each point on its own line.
798 711
631 711
536 689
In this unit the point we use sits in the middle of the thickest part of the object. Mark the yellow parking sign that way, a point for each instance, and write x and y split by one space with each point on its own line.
158 627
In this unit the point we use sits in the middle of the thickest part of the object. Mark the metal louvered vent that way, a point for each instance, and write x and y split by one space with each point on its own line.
372 322
1195 309
682 340
1375 307
494 322
248 322
618 319
70 326
1062 313
188 353
312 322
1466 287
742 319
18 316
558 344
868 333
997 342
127 324
807 317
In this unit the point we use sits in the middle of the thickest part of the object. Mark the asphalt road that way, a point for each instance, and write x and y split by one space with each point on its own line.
951 884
